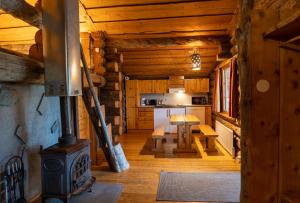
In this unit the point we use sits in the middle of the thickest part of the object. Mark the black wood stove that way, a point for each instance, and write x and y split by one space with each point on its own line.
65 165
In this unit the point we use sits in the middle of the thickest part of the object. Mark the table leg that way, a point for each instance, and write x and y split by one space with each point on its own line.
180 140
188 141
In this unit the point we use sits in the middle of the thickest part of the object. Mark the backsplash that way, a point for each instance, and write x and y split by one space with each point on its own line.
172 98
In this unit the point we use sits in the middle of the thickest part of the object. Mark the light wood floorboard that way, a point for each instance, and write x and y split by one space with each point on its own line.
141 180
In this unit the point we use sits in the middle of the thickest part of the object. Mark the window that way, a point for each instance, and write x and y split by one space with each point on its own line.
226 89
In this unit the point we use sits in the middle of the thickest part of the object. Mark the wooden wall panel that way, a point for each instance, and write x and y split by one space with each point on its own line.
260 115
289 156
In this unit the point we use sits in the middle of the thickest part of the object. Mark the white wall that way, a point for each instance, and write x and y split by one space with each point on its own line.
18 105
172 98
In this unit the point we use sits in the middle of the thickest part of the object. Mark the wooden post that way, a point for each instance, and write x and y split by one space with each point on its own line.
258 63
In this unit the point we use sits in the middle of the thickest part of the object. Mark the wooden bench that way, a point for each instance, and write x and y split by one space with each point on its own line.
210 137
157 139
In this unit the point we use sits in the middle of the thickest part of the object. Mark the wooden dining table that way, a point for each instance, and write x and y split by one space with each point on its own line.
184 134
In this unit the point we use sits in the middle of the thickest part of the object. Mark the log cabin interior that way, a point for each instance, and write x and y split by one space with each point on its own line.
149 101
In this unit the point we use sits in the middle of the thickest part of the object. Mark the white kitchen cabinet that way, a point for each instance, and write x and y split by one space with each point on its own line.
162 118
175 111
199 112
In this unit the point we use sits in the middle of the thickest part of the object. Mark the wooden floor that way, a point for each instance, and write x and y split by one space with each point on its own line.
141 180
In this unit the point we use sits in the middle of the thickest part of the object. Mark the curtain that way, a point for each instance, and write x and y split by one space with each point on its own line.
221 100
216 96
234 91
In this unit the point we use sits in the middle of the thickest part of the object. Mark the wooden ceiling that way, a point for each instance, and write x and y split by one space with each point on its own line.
156 36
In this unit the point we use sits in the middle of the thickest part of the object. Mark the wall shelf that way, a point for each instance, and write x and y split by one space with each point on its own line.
286 29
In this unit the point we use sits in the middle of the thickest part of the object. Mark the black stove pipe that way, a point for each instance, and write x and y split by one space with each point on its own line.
67 119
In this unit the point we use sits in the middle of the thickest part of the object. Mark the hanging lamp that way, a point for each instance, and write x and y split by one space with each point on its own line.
196 59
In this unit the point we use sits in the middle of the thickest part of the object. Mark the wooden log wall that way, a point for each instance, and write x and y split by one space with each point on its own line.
269 106
112 93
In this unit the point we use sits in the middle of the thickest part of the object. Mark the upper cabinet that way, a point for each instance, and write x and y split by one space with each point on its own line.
145 86
160 86
152 86
196 85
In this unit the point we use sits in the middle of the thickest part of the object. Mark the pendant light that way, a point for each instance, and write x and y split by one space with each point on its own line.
196 60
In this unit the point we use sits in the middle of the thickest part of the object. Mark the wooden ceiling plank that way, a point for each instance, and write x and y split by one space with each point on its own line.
121 3
85 16
200 8
168 53
151 61
169 35
165 42
204 23
7 20
187 66
22 10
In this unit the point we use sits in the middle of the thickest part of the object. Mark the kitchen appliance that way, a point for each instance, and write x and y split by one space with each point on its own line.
199 100
66 165
176 84
149 102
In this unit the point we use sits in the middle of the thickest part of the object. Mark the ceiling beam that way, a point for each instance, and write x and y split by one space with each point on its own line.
165 42
167 53
125 3
181 24
22 10
158 67
88 20
169 34
186 9
168 61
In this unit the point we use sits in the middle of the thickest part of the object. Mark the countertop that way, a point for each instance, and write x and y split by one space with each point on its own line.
174 106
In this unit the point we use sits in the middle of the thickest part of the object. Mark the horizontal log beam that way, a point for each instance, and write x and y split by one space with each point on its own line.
165 42
167 53
22 10
172 67
182 24
169 34
120 3
19 68
200 8
168 61
165 75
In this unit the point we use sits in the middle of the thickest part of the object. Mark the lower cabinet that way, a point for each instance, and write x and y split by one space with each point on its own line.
144 118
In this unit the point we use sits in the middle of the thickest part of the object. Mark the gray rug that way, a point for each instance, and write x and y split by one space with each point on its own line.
101 193
199 187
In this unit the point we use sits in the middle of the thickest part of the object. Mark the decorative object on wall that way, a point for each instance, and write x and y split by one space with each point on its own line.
38 108
18 134
54 127
196 59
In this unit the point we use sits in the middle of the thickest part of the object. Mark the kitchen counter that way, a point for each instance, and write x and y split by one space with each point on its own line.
174 106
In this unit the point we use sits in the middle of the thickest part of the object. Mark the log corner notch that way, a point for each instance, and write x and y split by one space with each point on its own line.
22 10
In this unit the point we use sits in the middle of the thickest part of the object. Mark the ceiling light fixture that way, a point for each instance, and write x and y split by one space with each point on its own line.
196 59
